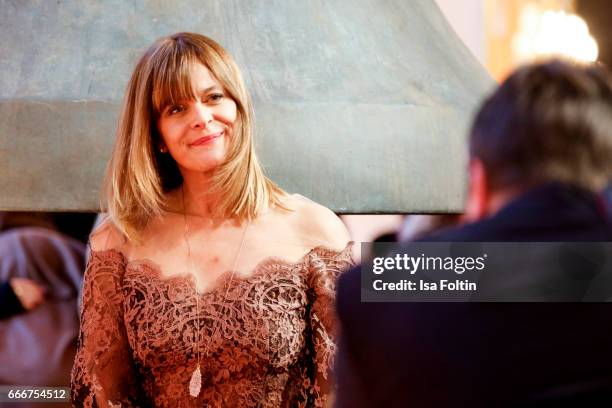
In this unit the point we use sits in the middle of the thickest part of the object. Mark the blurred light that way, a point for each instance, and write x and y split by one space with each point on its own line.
553 33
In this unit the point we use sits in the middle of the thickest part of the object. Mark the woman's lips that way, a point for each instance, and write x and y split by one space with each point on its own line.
206 139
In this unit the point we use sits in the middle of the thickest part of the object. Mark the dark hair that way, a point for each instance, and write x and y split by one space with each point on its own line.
549 121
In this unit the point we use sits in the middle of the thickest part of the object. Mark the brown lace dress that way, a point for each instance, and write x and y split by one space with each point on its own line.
273 347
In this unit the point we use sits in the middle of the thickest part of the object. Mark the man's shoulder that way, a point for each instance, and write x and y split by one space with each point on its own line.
551 212
348 297
350 281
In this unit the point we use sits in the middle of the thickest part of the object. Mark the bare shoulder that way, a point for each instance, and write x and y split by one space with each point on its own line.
107 236
317 224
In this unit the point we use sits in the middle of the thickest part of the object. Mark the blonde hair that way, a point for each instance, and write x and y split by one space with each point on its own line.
138 176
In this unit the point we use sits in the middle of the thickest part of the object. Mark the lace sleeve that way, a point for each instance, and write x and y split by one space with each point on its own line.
103 374
325 268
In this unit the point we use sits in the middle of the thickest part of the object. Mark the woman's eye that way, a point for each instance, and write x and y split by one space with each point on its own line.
175 109
215 98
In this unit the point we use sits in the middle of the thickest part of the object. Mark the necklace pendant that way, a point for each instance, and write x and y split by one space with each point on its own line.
195 385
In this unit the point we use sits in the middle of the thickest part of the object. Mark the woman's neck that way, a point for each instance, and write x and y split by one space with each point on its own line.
196 197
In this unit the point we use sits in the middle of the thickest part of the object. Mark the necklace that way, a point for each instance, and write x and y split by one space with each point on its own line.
195 384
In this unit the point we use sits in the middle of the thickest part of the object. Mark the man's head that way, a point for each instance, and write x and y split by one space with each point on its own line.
546 122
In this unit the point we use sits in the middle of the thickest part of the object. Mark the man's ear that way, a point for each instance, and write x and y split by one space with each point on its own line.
476 207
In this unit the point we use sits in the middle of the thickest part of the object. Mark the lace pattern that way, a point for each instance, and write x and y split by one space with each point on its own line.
273 346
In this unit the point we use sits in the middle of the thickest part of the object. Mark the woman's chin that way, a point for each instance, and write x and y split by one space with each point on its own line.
207 165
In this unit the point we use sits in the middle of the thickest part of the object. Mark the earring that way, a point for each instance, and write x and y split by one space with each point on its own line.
163 150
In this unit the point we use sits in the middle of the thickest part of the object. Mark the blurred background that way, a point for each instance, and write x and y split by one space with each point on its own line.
503 34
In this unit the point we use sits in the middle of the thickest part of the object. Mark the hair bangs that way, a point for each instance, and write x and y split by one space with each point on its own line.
172 80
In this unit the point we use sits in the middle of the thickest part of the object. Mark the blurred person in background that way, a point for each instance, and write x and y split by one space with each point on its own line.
18 295
41 267
540 156
415 226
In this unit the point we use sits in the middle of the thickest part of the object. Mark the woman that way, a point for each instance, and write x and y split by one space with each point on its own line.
207 285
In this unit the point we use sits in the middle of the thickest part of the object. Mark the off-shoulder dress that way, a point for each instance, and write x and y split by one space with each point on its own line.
270 342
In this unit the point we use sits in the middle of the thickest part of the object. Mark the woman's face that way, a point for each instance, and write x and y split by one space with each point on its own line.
197 132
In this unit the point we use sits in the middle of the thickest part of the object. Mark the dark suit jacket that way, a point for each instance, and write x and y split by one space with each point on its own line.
477 354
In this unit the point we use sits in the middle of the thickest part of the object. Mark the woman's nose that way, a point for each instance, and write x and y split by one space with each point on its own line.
202 116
